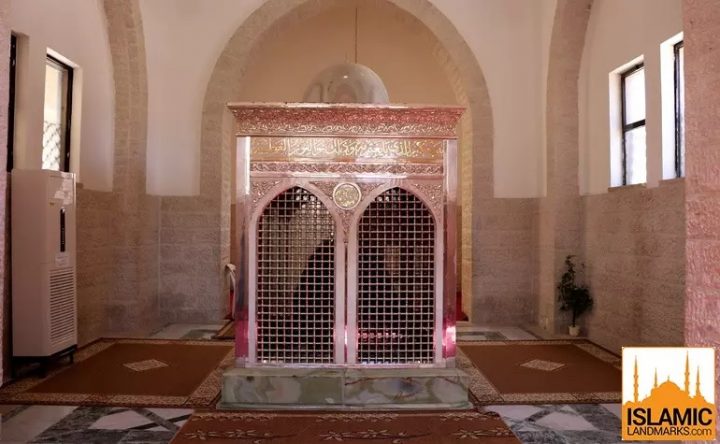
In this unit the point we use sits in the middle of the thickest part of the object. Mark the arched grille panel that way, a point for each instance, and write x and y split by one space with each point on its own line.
396 281
295 296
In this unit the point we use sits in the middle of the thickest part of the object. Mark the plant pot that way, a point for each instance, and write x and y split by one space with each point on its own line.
574 330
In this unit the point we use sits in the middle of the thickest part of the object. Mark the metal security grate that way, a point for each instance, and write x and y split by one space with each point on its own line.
52 146
295 300
396 281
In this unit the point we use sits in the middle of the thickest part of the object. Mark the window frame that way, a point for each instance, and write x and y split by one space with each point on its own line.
11 103
65 156
679 113
625 128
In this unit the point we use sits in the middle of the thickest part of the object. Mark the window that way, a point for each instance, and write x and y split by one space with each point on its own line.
679 52
632 91
58 113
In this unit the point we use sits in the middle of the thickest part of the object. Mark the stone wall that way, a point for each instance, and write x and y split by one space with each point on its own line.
503 261
559 213
133 305
701 19
95 261
634 248
189 260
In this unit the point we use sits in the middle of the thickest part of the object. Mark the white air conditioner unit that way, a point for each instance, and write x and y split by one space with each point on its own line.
44 310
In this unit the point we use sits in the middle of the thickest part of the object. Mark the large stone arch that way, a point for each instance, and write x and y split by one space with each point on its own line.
131 278
450 49
559 216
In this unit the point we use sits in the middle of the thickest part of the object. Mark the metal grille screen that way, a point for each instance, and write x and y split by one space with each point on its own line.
396 281
295 301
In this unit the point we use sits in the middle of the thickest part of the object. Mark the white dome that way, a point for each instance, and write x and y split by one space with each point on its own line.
347 83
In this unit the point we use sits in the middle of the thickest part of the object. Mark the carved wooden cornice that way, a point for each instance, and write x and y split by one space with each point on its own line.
355 120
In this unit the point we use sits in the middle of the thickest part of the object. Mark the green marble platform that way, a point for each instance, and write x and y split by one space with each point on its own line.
345 389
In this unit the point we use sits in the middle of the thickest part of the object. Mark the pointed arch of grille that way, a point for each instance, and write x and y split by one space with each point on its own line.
396 281
295 293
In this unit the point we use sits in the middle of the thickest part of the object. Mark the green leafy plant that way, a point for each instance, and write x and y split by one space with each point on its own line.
573 297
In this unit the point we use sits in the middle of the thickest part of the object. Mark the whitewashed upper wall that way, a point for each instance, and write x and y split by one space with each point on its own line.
185 37
75 29
620 31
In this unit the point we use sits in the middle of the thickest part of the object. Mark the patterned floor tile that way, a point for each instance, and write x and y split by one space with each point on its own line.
178 331
31 421
121 420
114 425
562 423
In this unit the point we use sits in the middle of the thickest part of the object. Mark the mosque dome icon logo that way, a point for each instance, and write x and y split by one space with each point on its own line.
668 394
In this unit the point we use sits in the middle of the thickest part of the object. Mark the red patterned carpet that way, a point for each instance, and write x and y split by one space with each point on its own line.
131 372
361 427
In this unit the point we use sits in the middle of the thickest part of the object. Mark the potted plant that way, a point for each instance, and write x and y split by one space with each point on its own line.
573 297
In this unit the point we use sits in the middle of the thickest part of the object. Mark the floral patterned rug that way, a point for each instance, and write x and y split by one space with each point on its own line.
360 427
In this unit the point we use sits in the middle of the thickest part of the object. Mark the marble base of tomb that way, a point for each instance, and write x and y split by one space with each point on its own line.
345 389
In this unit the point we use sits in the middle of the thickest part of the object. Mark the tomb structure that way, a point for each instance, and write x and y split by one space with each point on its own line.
345 222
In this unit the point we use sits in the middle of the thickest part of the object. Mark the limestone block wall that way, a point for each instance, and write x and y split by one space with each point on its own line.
95 261
701 20
634 249
132 307
558 230
502 279
188 286
195 231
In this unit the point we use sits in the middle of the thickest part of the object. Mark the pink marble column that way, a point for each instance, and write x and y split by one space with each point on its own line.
701 20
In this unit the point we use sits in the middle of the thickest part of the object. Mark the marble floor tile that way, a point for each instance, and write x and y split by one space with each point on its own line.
613 408
6 410
171 413
466 331
562 424
484 336
178 331
564 421
200 334
122 420
515 412
540 437
115 425
516 333
32 421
